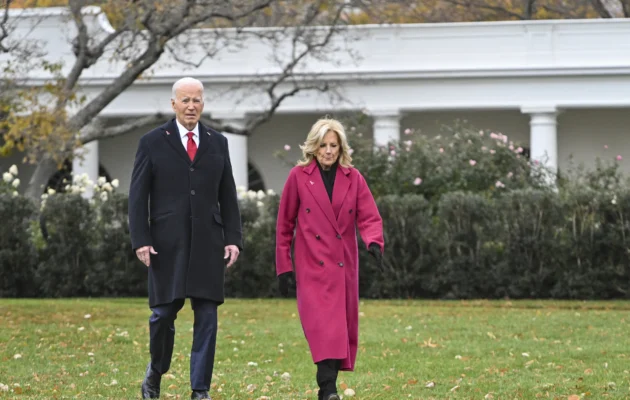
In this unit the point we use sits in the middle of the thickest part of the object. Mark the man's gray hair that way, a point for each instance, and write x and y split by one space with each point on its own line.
184 81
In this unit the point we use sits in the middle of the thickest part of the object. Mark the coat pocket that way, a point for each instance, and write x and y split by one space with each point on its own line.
218 219
160 216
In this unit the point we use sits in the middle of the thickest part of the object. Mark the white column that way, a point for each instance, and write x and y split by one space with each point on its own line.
543 140
237 145
386 126
87 163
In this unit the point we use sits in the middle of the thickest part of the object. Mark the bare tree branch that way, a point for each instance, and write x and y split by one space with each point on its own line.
530 8
162 29
96 132
601 8
4 32
484 6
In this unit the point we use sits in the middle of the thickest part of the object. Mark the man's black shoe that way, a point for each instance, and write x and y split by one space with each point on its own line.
151 384
200 394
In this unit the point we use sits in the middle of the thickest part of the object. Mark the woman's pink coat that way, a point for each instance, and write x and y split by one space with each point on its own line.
326 255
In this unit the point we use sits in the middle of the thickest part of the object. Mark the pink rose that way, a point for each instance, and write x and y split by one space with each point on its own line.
472 162
287 147
417 181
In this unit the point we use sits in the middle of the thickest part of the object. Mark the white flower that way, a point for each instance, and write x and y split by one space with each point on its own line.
90 354
44 196
15 194
115 183
7 177
286 376
101 180
270 192
252 195
108 187
13 169
252 364
16 182
17 356
87 316
51 191
260 195
260 204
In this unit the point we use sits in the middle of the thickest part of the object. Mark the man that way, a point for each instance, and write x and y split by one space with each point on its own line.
185 225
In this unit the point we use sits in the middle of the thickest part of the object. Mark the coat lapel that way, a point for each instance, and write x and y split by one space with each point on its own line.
315 185
171 133
340 189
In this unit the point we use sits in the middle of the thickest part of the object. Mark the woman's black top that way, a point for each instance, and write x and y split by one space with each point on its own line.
328 176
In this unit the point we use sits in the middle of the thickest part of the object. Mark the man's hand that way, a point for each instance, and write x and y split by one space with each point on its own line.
283 283
375 251
232 252
144 254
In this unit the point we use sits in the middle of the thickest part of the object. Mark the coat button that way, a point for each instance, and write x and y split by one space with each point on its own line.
338 236
317 237
321 262
308 210
341 264
191 169
192 192
351 211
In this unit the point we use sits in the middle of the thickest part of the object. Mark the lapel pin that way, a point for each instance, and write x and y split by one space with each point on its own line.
168 133
312 183
208 133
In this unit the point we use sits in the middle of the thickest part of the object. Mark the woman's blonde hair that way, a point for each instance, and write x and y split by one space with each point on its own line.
316 136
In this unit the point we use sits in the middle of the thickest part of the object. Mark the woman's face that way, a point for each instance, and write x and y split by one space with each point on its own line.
328 151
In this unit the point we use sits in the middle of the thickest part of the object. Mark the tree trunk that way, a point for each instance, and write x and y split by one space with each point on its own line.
45 169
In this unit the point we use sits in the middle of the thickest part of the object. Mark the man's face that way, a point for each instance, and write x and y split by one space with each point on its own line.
188 105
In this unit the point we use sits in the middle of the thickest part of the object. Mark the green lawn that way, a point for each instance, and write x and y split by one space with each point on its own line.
408 349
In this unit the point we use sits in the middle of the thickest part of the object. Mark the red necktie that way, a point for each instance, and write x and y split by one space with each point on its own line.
191 147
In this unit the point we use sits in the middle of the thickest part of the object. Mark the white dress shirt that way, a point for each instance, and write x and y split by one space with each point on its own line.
183 134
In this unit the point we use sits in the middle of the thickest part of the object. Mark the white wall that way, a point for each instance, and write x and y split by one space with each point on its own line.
584 133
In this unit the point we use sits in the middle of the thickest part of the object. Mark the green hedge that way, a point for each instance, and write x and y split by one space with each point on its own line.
524 244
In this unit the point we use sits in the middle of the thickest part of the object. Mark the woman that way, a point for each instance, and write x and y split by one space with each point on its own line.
323 201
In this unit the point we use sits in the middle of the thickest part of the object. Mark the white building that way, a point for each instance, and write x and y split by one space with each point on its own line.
561 88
